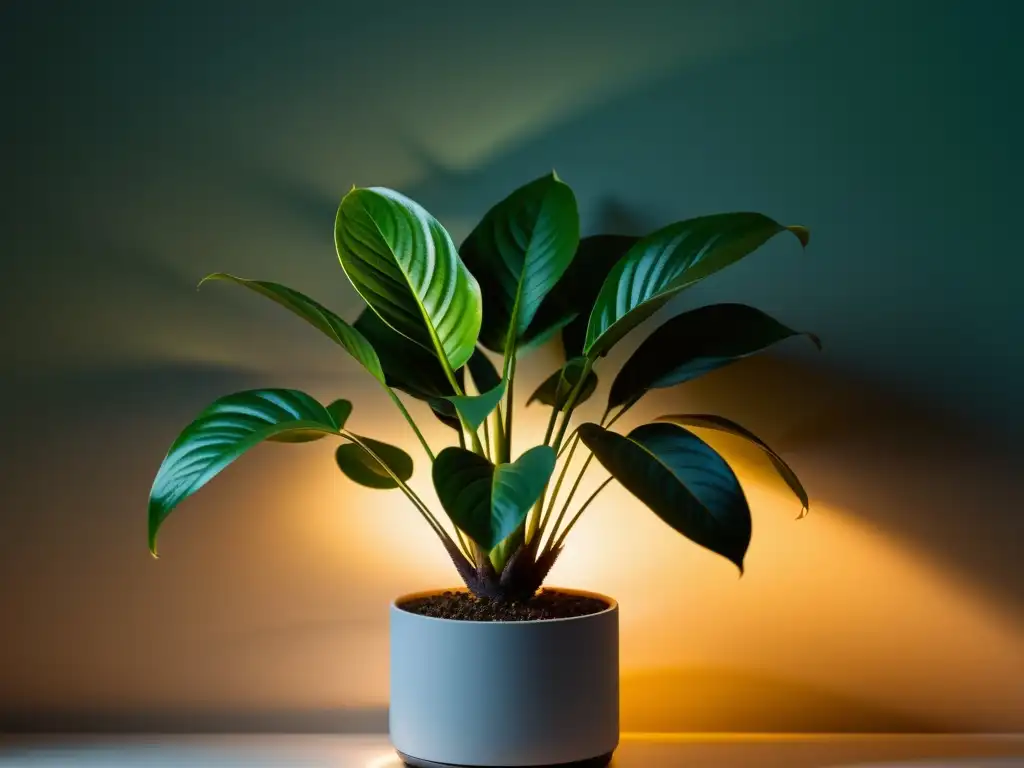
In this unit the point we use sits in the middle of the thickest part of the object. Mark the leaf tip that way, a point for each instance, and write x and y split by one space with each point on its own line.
815 339
803 234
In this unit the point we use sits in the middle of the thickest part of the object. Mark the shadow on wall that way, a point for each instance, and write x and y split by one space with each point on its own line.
946 486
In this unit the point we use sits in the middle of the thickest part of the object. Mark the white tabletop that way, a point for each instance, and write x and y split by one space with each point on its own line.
635 751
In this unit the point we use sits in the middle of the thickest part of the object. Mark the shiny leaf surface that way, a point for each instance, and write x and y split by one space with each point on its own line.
664 263
722 424
681 479
517 252
567 307
694 343
405 266
223 432
489 502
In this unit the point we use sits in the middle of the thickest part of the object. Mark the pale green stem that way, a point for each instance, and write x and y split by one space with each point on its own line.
487 439
579 478
505 454
401 406
576 517
409 492
558 487
570 405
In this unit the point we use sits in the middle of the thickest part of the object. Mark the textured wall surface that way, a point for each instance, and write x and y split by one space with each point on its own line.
144 145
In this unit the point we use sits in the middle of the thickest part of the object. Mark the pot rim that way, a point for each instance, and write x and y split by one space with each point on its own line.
612 607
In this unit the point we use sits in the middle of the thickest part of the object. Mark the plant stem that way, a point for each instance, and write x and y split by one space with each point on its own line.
579 478
570 405
576 517
551 425
499 430
401 406
487 438
558 486
450 374
417 502
568 499
505 455
464 544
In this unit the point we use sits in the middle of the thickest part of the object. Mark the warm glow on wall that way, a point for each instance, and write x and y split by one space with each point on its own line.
836 625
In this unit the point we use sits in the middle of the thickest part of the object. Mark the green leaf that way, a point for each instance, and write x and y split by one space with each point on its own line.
405 266
410 368
407 366
223 432
722 424
361 467
340 410
567 307
556 388
682 480
316 315
486 501
485 375
693 344
476 408
518 251
664 263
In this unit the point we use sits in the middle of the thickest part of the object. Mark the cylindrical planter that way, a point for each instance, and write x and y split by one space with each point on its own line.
505 693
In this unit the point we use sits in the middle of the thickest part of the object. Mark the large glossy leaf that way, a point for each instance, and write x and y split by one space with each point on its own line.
722 424
567 307
556 388
693 344
354 342
664 263
223 432
361 467
489 502
404 264
681 479
517 252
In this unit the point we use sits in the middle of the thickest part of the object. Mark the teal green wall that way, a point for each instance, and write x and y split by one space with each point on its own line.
143 145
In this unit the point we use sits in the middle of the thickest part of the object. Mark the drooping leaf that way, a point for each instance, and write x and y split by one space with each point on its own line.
475 409
681 479
223 432
489 502
405 266
556 388
722 424
316 315
361 467
567 307
517 252
662 264
485 375
694 343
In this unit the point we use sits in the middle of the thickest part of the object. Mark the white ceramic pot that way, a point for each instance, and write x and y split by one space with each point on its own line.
515 693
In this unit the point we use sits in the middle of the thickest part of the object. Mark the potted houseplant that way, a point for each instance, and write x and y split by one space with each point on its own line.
522 277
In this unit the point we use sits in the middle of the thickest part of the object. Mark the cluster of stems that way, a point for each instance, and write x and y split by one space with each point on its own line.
544 530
